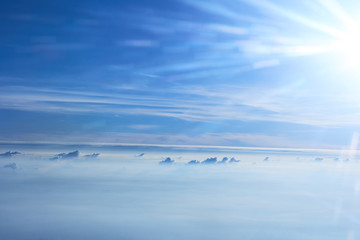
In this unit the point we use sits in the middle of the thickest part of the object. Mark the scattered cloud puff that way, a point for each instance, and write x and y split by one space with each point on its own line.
8 154
209 160
168 160
94 155
224 160
233 160
74 154
213 160
11 166
144 43
193 162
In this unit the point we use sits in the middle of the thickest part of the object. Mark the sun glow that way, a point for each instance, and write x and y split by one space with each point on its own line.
348 46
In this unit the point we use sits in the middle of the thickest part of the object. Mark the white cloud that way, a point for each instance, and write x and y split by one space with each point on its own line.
142 126
223 140
266 63
143 43
288 103
229 29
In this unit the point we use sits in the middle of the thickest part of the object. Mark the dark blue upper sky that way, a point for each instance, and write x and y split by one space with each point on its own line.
240 73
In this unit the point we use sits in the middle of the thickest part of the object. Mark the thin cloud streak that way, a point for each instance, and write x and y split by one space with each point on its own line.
325 149
286 13
201 104
224 140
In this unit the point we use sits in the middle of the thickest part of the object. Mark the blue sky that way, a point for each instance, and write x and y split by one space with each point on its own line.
230 73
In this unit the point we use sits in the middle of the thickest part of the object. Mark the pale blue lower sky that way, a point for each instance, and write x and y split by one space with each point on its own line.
124 196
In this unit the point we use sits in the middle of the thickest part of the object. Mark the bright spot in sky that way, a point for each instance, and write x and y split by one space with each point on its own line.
349 47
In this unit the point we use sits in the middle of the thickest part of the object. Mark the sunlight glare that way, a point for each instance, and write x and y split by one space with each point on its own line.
348 46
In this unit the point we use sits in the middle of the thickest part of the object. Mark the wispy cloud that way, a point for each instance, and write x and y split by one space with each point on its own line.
59 47
142 43
142 126
266 63
194 103
200 140
296 17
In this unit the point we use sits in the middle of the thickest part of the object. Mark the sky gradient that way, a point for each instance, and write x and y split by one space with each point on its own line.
230 73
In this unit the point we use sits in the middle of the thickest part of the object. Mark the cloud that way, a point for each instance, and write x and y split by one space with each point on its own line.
193 162
74 154
142 126
229 29
265 64
228 102
233 160
168 160
224 160
8 154
143 43
213 160
58 47
94 155
10 165
209 160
